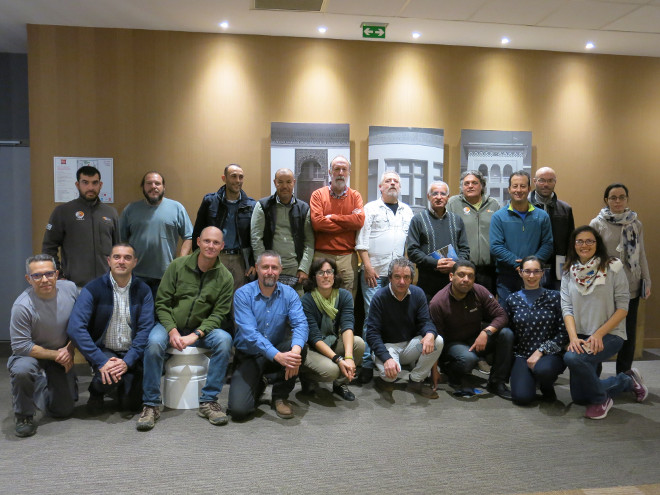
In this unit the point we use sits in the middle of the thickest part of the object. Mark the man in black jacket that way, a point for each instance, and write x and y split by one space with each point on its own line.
282 223
230 210
561 218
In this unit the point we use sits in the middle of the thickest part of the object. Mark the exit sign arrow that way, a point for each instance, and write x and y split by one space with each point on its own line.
373 31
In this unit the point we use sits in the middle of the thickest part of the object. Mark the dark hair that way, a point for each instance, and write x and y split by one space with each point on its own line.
520 173
227 168
613 186
466 263
144 177
124 244
39 257
531 257
480 177
87 170
601 251
310 284
402 262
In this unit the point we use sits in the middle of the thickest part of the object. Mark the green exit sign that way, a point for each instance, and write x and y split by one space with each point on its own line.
374 31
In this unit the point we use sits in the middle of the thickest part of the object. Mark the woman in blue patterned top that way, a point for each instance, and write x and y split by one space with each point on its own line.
536 320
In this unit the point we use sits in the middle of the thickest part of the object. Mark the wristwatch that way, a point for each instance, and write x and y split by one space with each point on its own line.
488 332
199 334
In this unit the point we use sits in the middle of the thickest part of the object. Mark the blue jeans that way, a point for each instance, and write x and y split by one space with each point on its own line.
217 341
524 380
586 387
367 295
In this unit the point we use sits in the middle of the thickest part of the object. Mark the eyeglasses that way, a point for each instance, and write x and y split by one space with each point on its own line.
588 242
38 276
545 181
327 272
529 273
617 198
443 194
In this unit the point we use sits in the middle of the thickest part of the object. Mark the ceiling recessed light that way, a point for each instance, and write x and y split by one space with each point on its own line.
416 34
505 40
224 24
590 46
322 29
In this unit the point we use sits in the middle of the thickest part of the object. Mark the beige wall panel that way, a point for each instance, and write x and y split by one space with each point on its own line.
188 104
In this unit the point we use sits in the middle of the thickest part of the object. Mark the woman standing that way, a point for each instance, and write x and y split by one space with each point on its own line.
334 352
536 320
594 302
623 238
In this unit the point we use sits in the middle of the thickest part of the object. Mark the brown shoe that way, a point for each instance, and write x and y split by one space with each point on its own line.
422 389
383 386
283 408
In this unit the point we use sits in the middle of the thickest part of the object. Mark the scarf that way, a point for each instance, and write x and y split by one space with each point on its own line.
328 314
587 276
628 247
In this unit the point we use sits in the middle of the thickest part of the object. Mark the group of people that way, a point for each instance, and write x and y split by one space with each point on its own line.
121 291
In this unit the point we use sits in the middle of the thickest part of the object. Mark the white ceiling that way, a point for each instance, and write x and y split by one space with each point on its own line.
624 27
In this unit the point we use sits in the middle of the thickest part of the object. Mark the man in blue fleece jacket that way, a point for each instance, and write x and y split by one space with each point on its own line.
110 324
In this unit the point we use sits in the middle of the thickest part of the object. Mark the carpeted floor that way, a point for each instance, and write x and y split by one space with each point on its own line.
397 444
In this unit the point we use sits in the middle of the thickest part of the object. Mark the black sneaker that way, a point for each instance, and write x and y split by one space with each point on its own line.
25 426
343 391
94 405
366 375
499 389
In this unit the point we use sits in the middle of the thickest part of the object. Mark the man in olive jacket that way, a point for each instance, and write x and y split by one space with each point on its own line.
193 298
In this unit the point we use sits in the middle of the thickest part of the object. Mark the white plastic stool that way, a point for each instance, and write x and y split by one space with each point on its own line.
185 376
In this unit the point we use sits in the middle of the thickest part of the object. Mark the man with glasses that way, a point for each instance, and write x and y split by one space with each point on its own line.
561 219
110 325
40 346
472 324
436 240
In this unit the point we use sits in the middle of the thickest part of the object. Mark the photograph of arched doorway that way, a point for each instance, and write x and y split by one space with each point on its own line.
496 154
307 149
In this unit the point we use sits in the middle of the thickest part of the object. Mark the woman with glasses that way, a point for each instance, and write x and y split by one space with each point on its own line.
334 352
536 320
623 238
594 302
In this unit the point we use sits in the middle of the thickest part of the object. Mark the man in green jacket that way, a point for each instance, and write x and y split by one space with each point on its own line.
476 208
193 299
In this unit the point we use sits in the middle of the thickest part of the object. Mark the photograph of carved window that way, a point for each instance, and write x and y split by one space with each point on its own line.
307 149
415 153
496 154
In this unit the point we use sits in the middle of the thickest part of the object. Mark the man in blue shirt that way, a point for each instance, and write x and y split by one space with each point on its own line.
265 310
153 227
518 230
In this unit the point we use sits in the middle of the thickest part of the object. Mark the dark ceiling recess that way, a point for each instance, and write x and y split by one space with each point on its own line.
299 5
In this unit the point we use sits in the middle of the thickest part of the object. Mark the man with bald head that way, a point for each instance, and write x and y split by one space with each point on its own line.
281 223
561 218
193 298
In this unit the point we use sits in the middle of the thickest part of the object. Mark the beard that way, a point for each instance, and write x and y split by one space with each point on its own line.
391 194
153 201
270 281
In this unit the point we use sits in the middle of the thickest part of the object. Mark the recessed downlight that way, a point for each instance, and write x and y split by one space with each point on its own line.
505 40
590 45
322 29
416 34
224 24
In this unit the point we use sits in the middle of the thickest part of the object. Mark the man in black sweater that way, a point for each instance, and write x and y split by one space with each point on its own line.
401 331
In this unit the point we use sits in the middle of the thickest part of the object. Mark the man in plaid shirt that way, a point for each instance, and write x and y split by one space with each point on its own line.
110 325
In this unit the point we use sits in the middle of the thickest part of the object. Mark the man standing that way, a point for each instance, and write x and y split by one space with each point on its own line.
230 210
193 299
337 215
110 324
401 332
153 227
271 331
436 240
381 240
561 219
475 207
472 324
39 345
85 229
282 223
516 231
